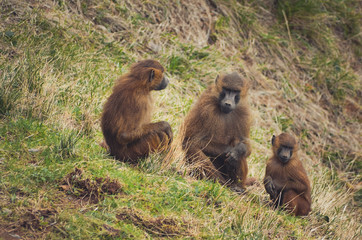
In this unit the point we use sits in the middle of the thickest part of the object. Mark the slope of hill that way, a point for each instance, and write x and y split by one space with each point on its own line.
58 63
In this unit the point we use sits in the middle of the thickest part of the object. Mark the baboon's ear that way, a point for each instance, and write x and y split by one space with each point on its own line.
217 78
273 139
152 75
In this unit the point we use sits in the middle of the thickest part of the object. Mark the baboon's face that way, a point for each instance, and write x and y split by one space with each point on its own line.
161 84
285 153
284 147
228 100
231 88
151 74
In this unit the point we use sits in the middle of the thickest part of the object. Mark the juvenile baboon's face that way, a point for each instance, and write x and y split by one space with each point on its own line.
285 153
284 146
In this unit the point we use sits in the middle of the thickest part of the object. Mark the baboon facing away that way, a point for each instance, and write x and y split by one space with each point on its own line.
126 119
216 132
285 179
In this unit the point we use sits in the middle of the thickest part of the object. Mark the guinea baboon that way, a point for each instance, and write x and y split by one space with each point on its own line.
285 179
216 132
126 119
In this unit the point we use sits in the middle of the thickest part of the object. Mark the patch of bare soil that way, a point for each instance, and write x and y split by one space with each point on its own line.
32 224
88 189
34 220
159 226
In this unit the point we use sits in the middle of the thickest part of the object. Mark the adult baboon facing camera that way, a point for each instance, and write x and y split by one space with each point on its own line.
216 132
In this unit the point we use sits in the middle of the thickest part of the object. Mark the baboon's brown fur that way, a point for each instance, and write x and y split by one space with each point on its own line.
126 119
217 142
288 183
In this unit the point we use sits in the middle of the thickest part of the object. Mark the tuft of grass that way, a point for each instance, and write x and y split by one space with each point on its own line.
284 122
66 145
337 80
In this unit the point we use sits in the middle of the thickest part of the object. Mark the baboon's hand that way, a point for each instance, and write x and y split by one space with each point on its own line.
232 159
234 155
270 187
166 128
240 149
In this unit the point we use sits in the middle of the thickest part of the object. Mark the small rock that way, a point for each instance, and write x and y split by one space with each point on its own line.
33 150
15 236
7 211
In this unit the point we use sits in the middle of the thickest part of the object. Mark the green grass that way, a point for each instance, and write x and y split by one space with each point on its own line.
58 63
38 169
317 21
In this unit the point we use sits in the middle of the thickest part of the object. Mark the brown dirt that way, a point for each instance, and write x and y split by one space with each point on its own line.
87 189
33 220
33 224
159 226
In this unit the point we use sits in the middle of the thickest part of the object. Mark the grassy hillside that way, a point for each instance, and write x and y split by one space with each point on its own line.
58 63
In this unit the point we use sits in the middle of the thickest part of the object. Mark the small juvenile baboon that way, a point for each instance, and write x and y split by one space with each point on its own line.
126 119
285 179
216 132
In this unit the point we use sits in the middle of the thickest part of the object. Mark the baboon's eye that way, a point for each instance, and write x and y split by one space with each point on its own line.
222 94
152 75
